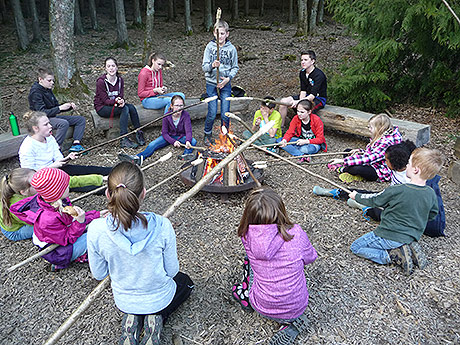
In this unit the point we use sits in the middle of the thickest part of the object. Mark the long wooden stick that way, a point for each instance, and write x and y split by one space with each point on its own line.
181 199
54 246
237 118
216 28
257 99
207 100
199 148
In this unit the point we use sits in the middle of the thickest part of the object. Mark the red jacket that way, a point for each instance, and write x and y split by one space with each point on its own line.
295 130
147 81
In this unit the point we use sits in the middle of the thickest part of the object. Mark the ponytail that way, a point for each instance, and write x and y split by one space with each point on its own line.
125 186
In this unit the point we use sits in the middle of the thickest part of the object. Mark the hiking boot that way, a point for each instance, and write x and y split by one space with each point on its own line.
317 190
418 255
127 143
208 140
140 138
301 323
186 157
347 178
153 324
130 158
303 160
131 327
401 256
354 204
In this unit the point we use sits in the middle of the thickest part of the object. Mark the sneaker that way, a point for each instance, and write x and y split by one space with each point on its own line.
208 140
130 158
273 149
401 256
300 323
317 190
83 259
55 268
140 138
131 326
127 143
153 324
418 256
333 167
186 157
347 178
365 215
76 148
354 204
303 160
285 336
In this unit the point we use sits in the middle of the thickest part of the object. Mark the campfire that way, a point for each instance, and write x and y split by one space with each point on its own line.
233 178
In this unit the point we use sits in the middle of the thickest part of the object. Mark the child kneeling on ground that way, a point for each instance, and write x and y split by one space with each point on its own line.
406 209
138 251
277 250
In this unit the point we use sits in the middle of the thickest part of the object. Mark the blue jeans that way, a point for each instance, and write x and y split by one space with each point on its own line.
23 233
160 142
79 247
160 101
296 150
225 92
373 247
127 112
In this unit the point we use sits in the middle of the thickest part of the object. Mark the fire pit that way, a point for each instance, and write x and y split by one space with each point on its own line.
233 178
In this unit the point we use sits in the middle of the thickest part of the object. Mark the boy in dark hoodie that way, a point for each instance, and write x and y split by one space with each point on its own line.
41 98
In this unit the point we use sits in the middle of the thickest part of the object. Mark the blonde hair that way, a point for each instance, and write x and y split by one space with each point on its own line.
11 184
428 161
265 206
222 24
382 124
125 186
31 119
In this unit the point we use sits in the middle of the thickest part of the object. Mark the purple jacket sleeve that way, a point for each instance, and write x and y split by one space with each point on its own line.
188 126
165 130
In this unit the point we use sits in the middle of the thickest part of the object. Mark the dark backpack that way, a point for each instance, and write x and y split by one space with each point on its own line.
435 227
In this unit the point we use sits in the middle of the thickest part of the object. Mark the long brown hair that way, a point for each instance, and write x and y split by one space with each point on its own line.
14 183
265 206
125 186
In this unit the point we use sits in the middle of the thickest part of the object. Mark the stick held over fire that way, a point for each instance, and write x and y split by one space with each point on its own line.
257 99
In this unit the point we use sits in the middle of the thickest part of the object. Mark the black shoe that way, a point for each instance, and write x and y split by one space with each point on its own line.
140 138
186 157
127 143
402 257
208 140
130 158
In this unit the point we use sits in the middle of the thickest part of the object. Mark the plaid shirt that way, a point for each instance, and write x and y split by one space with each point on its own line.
374 154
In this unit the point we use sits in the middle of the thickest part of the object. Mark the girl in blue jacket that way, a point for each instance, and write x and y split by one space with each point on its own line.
138 251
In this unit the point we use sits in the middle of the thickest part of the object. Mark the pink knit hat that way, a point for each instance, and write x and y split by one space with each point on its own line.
50 183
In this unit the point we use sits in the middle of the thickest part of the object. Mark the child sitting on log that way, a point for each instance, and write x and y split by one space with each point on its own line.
54 219
176 130
306 130
277 250
407 208
138 251
266 113
369 164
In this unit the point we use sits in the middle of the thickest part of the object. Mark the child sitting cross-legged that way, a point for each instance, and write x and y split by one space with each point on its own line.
277 250
406 209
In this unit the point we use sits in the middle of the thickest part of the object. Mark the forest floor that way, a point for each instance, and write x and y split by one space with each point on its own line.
352 301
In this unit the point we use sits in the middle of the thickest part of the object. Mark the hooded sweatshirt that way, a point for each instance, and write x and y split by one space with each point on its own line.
141 262
147 80
107 92
228 58
279 288
43 99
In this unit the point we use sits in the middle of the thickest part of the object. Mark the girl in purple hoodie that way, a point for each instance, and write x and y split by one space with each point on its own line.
277 250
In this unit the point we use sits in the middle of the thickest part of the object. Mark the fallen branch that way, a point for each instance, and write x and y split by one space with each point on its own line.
181 199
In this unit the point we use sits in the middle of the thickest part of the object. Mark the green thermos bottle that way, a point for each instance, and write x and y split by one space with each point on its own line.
14 124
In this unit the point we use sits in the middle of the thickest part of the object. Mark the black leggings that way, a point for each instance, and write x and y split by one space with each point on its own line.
365 171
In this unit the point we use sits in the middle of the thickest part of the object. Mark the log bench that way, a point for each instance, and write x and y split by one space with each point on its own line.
147 115
355 122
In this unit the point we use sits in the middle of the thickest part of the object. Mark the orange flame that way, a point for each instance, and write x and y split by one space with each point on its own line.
222 144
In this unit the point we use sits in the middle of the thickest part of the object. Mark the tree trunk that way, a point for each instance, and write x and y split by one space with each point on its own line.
37 34
208 22
78 26
93 14
246 8
4 17
313 16
122 30
149 33
320 12
43 9
235 15
137 14
301 5
171 10
23 38
262 8
188 19
291 12
62 46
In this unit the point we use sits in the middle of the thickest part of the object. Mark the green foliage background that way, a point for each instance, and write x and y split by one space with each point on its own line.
409 50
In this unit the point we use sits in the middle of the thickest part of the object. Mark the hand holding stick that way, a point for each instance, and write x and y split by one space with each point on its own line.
199 148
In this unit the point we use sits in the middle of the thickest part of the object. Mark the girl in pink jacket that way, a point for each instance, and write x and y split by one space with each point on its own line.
277 250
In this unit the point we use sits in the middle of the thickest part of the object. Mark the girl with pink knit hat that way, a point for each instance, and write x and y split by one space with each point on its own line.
52 219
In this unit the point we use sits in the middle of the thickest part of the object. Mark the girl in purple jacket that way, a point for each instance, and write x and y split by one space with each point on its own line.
109 102
277 250
176 130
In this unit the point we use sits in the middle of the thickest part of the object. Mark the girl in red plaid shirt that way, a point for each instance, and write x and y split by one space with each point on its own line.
369 164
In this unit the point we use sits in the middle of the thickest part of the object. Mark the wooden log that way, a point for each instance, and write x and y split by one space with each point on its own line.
454 172
231 170
355 122
457 148
147 115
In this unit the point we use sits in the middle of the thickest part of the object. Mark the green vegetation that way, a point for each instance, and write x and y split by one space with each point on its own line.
408 50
